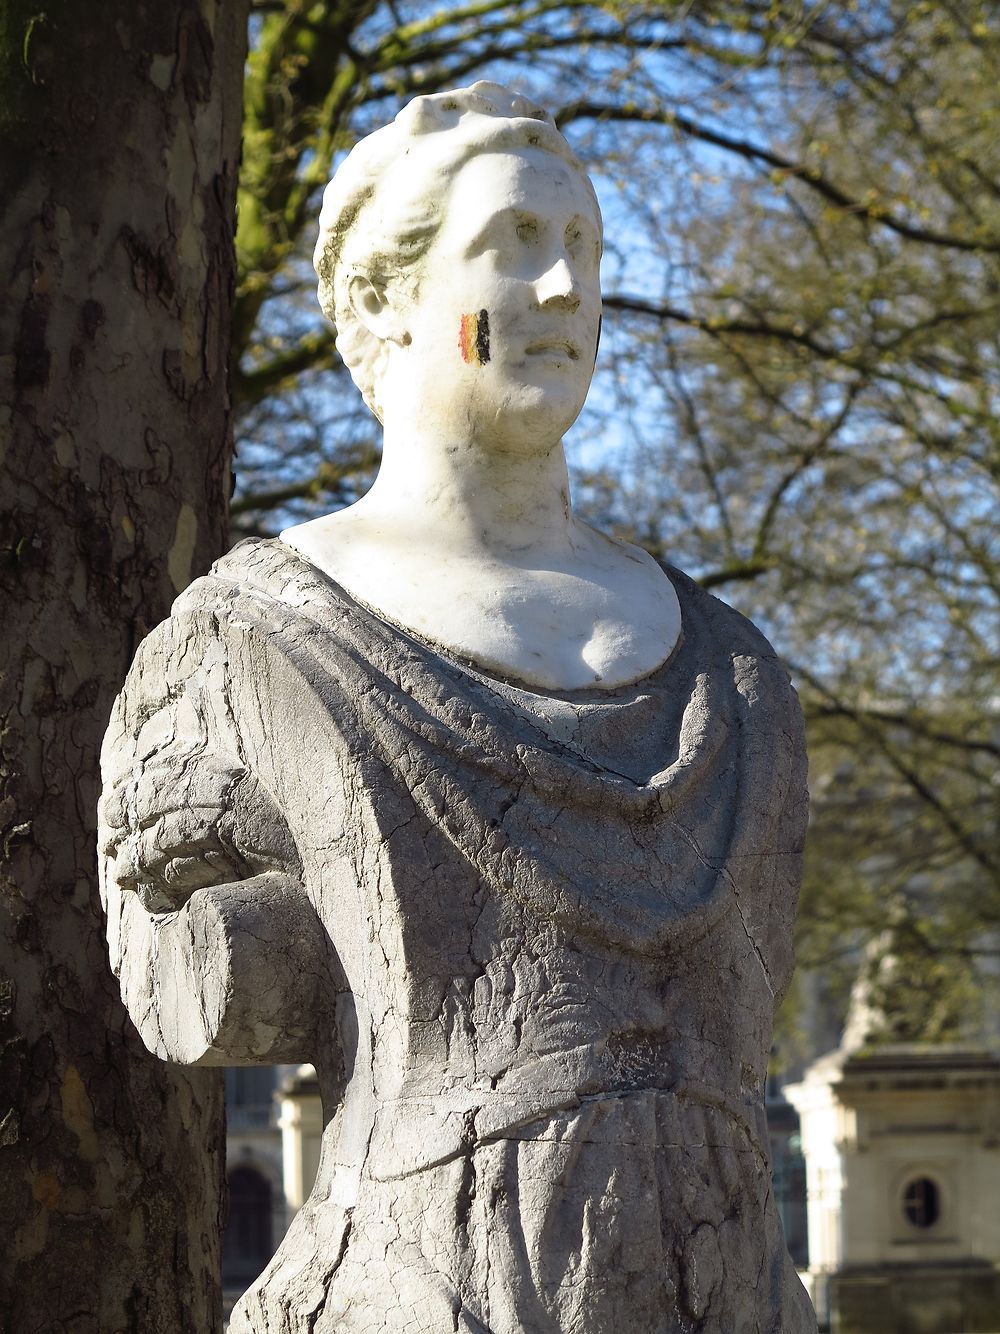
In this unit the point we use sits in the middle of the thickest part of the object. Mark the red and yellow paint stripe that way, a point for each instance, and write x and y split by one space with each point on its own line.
474 338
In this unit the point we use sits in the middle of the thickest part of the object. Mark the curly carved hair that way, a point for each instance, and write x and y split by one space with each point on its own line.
370 225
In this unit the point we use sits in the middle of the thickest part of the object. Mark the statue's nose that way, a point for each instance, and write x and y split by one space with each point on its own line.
557 287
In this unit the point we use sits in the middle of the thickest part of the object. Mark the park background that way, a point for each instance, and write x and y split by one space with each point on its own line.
795 402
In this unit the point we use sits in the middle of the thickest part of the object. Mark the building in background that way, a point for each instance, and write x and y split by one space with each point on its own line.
259 1212
788 1172
902 1153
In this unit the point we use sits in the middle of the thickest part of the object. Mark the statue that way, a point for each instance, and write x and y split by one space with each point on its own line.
493 819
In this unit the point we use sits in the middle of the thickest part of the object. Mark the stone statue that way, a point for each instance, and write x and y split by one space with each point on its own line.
493 819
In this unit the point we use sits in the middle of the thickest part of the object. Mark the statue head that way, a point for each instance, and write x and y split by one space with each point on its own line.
403 187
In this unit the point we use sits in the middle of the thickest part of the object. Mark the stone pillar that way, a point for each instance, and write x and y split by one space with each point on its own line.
300 1120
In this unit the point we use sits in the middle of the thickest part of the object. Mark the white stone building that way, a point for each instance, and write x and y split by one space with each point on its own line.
259 1209
902 1150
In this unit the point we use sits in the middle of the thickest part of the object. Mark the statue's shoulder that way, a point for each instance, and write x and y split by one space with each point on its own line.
768 710
729 641
252 588
727 629
191 668
257 570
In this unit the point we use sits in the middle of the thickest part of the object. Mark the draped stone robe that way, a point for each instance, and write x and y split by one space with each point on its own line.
532 943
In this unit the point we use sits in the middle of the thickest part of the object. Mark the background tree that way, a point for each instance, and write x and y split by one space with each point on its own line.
797 394
119 144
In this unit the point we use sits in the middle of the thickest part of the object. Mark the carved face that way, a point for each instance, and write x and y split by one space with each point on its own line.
504 326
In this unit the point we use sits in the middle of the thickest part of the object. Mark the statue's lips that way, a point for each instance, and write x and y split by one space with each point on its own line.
561 347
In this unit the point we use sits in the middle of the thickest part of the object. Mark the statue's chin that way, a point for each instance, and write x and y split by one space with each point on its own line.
516 406
530 419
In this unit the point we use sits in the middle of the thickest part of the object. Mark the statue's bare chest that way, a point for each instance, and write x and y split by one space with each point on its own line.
603 618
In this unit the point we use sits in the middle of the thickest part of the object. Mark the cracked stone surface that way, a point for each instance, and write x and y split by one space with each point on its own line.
531 936
532 942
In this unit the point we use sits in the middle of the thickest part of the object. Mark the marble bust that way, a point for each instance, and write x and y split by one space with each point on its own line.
495 820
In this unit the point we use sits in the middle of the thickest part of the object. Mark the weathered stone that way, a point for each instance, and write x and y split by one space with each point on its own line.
528 917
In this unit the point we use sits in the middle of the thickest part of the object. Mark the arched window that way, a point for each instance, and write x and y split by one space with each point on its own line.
247 1241
922 1202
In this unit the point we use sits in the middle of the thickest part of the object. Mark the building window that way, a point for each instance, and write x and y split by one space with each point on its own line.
789 1186
250 1096
247 1242
922 1202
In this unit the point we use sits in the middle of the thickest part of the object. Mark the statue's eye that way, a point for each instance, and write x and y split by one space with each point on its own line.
580 243
527 231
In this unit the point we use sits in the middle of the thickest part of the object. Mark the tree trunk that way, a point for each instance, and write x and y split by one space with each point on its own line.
119 146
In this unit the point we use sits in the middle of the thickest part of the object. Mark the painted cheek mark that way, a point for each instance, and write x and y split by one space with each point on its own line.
474 338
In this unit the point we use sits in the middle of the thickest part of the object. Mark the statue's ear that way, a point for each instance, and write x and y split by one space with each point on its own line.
374 307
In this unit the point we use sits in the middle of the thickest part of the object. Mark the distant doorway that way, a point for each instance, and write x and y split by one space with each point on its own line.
247 1243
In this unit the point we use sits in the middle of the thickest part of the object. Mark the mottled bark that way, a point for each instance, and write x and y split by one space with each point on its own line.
119 144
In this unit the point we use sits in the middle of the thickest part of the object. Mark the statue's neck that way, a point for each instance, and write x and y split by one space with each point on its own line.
472 497
472 546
